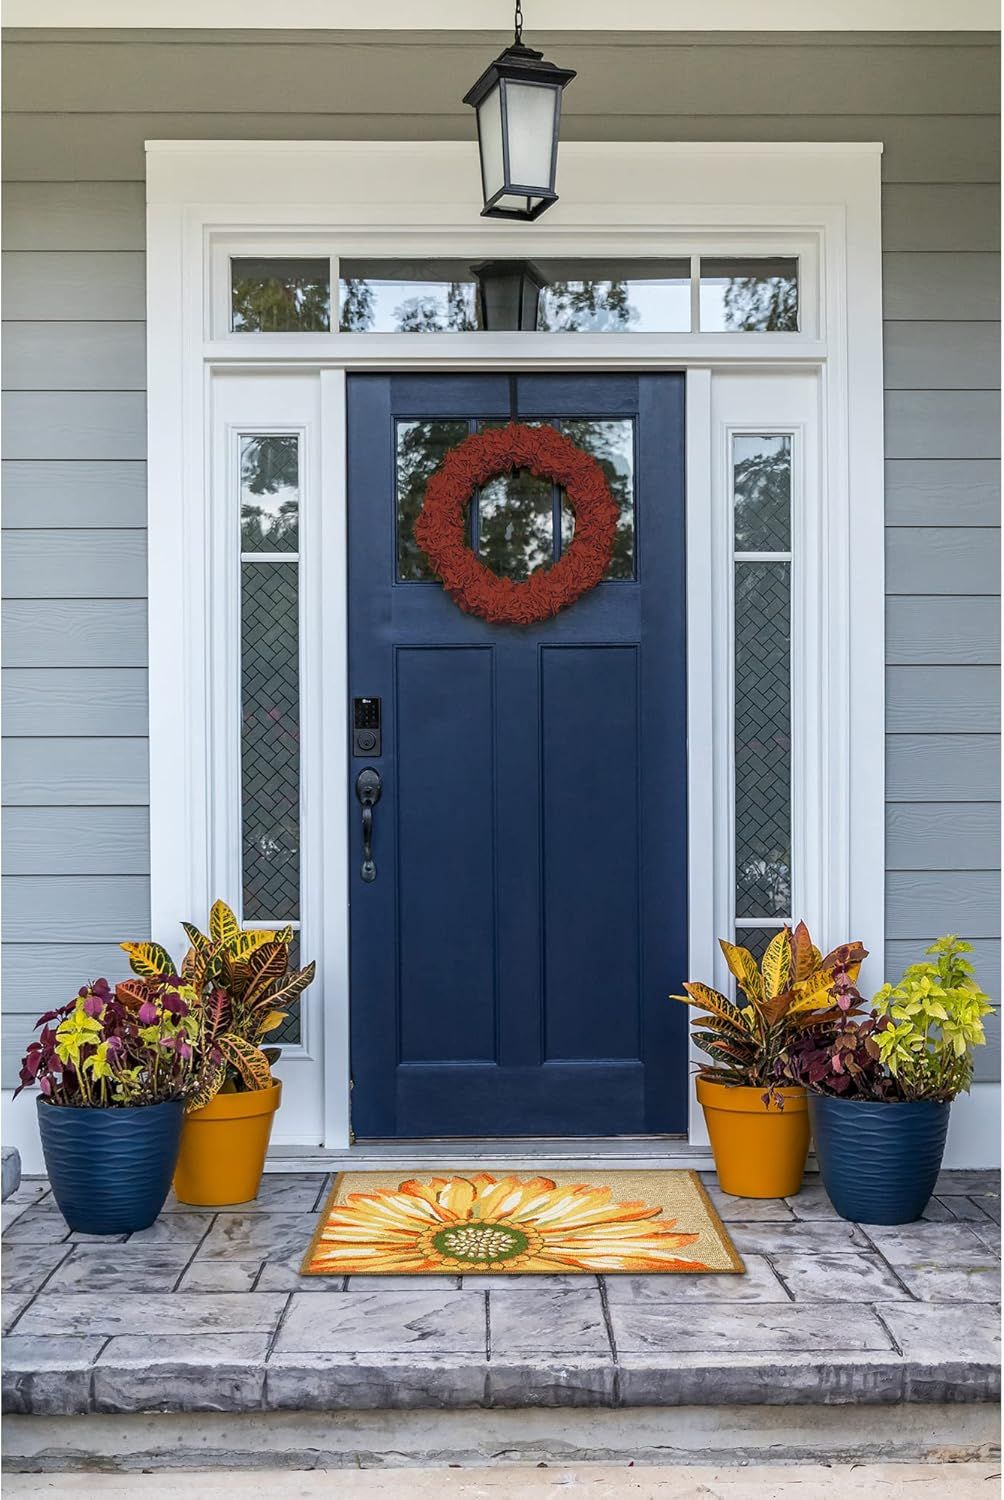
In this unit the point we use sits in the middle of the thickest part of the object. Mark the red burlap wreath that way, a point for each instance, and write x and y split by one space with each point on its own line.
441 527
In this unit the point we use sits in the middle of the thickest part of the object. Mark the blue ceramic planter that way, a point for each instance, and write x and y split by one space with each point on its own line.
110 1169
879 1162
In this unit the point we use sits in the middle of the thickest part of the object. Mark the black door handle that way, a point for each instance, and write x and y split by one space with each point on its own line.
368 789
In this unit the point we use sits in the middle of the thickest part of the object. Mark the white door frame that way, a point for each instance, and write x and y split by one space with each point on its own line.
208 199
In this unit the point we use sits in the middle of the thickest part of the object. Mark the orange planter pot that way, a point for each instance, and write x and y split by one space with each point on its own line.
759 1149
223 1148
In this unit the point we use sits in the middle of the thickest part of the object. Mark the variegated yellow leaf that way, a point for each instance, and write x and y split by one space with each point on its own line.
223 925
250 1062
777 964
271 1021
148 959
744 966
705 998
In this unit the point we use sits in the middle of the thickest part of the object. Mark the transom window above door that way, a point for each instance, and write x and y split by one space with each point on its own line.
691 293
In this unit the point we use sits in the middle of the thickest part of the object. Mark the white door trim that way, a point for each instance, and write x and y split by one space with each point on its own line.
207 196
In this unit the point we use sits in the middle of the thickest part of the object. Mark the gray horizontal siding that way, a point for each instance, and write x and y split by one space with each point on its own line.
39 494
942 424
66 702
89 215
941 216
75 424
921 903
72 772
935 630
76 840
943 768
946 355
935 700
940 286
74 564
78 111
75 908
74 633
924 835
50 284
942 560
82 356
942 492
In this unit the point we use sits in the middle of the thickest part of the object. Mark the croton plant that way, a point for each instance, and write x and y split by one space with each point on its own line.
793 988
245 989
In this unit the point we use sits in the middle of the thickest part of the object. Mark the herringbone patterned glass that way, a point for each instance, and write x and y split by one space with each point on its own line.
763 738
270 741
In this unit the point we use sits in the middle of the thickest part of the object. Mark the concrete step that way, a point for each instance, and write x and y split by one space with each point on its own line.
703 1435
624 1481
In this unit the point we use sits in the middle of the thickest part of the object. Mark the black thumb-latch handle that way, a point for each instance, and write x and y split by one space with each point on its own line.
368 789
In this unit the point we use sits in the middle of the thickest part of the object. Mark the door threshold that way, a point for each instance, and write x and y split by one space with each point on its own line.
575 1153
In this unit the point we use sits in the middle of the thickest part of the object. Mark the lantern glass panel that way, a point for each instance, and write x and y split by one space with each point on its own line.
490 138
530 124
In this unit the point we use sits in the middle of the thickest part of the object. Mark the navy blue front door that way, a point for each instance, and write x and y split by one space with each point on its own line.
511 959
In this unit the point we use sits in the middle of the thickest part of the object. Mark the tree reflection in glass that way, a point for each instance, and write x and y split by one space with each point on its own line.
761 477
269 493
421 448
611 443
586 307
280 296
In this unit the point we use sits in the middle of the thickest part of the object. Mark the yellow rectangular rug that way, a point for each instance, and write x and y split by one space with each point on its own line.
380 1223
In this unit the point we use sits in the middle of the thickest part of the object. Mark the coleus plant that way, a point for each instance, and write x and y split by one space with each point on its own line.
793 988
108 1049
916 1043
244 989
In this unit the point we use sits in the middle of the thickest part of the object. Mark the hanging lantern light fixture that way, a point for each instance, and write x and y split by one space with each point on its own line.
518 104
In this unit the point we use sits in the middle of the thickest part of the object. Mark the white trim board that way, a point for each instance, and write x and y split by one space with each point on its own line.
492 16
207 200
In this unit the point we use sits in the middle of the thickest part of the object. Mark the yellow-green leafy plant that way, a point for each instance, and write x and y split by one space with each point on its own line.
244 989
931 1020
793 988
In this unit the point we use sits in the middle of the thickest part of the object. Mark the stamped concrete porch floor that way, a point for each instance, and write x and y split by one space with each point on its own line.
206 1312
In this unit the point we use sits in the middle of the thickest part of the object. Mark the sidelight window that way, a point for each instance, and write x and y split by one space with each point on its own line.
270 687
761 468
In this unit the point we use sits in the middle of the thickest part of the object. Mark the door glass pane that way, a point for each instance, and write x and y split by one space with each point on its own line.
269 494
516 525
421 448
763 738
761 477
280 295
611 443
749 295
270 741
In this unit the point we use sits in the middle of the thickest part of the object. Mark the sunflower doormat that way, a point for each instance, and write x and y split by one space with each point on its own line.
380 1223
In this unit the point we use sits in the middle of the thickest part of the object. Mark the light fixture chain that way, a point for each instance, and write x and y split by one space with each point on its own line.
519 24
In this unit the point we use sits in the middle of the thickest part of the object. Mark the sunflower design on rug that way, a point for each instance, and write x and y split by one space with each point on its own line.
504 1224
